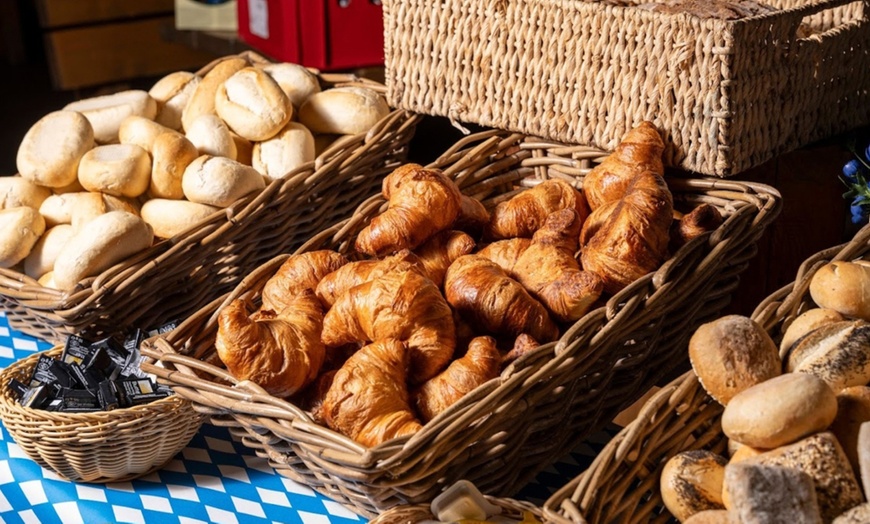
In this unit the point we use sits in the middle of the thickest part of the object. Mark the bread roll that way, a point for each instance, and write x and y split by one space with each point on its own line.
172 93
289 149
864 456
75 187
253 105
169 217
201 101
47 280
710 516
63 209
41 258
51 149
105 113
16 191
731 354
844 287
20 228
780 411
212 137
691 482
141 132
804 323
100 244
218 181
343 110
838 353
743 453
117 169
853 409
171 153
297 82
762 494
244 149
858 515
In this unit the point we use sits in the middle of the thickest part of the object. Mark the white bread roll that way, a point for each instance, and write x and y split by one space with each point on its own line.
170 217
100 244
16 191
141 132
253 105
219 181
212 137
343 110
244 150
20 229
201 101
286 151
116 169
50 152
76 208
844 287
807 321
691 482
297 82
75 187
41 258
105 113
172 92
171 154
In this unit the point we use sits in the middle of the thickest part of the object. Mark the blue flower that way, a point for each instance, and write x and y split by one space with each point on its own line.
859 210
850 170
867 153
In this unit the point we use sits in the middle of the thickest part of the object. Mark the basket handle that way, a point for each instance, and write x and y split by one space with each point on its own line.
802 12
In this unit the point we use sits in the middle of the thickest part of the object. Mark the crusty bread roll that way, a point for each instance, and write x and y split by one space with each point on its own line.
116 169
51 149
691 482
743 453
343 110
100 244
172 93
763 494
780 411
253 105
75 187
853 409
169 217
201 101
141 132
41 258
78 208
244 149
212 137
710 516
838 353
20 229
16 191
297 82
105 113
289 149
171 153
844 287
804 323
219 181
731 354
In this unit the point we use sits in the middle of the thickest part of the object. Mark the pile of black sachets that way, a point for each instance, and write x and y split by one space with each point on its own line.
90 376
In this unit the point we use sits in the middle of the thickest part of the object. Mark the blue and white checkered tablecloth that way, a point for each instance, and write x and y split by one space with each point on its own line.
214 479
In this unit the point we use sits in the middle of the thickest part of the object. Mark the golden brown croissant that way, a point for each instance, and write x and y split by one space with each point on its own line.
282 353
368 399
437 253
297 274
640 150
505 253
595 221
480 364
473 217
700 220
483 293
634 240
522 345
353 274
523 214
422 202
406 306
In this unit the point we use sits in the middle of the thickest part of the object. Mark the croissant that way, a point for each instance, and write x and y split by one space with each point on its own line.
440 251
422 202
406 306
595 221
281 352
353 274
481 291
700 220
368 399
480 364
634 240
522 345
523 214
506 253
473 217
297 274
640 150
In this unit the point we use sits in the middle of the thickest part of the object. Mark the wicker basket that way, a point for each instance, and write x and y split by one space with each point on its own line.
510 508
508 429
105 446
622 484
178 276
728 95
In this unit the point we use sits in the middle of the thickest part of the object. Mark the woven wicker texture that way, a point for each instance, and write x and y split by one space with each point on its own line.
622 484
505 431
105 446
411 514
180 275
728 95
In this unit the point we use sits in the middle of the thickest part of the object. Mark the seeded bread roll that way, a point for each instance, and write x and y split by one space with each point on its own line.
297 82
172 92
171 153
253 105
212 137
218 181
731 354
289 149
41 258
691 482
170 217
105 113
141 132
117 169
16 191
343 110
762 494
838 353
844 287
20 229
202 101
51 149
806 322
853 409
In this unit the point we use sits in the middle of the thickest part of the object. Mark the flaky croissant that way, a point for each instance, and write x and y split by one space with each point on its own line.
523 214
633 241
402 305
482 292
700 220
421 202
640 150
437 253
480 363
359 272
506 253
472 218
522 345
368 400
595 221
298 274
282 353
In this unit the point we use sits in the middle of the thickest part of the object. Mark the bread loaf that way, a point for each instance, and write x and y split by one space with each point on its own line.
16 191
762 494
853 409
289 149
172 93
117 169
140 131
806 322
843 287
105 113
51 149
41 258
253 105
171 153
343 110
838 353
202 100
211 137
297 82
691 482
20 228
218 181
170 217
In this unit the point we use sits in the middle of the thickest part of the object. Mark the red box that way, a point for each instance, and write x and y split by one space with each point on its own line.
324 34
